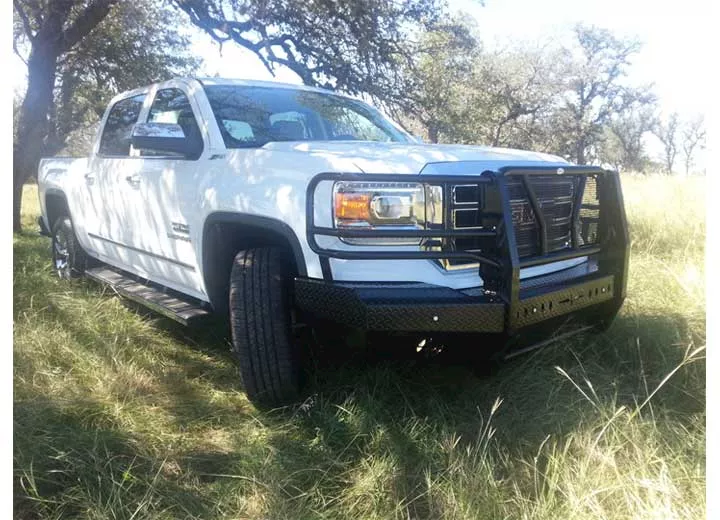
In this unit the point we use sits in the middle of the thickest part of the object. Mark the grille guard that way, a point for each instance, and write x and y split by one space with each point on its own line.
499 270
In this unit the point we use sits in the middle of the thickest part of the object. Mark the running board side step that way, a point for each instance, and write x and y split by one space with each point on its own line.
151 296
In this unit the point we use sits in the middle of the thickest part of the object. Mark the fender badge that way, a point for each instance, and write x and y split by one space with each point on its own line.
560 171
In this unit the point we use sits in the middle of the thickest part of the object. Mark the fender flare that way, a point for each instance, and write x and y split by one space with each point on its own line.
54 193
275 226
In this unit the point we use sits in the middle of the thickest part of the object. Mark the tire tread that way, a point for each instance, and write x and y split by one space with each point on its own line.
260 323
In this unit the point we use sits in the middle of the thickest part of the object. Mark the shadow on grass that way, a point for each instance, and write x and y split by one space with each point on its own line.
73 460
363 410
384 416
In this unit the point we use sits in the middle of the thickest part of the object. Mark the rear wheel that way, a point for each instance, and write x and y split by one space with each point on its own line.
69 259
261 325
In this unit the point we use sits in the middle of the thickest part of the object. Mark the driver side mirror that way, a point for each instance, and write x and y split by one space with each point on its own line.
166 138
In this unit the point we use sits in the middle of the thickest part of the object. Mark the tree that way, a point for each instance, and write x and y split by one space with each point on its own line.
693 139
625 133
357 46
52 29
512 91
667 133
594 91
135 45
610 150
438 75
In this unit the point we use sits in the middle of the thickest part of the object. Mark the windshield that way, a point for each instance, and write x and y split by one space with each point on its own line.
252 116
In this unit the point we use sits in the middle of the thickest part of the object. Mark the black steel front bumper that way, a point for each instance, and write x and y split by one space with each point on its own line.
428 308
593 291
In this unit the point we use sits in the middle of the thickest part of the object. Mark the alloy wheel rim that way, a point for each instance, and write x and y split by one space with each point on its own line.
61 256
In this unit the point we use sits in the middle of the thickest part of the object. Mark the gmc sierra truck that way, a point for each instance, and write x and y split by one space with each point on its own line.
277 204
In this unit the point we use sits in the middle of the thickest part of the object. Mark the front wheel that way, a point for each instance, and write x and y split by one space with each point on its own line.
261 325
69 259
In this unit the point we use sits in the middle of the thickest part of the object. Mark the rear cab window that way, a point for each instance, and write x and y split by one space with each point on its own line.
117 132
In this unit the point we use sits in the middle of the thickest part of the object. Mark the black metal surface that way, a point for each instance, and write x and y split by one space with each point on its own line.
574 212
554 303
326 268
544 212
559 256
165 302
537 214
378 307
422 307
559 277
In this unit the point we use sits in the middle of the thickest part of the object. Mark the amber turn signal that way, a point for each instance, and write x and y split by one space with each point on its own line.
352 206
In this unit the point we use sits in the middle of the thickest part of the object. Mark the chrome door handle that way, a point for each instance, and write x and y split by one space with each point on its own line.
133 180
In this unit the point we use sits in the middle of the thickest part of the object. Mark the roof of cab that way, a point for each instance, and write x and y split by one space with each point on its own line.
232 81
258 83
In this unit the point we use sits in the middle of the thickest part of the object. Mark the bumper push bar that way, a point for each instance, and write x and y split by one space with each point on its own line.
504 304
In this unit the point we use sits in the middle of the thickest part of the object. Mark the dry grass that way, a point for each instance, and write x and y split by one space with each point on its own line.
123 415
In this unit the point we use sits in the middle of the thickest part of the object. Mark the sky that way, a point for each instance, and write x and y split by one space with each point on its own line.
674 53
674 56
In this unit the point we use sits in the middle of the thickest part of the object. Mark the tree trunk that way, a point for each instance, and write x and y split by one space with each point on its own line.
580 152
28 147
498 131
433 133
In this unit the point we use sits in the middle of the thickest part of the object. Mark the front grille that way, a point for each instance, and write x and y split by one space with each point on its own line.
557 199
466 212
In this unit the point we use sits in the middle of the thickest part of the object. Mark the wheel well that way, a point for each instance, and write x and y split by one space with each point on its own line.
55 206
226 234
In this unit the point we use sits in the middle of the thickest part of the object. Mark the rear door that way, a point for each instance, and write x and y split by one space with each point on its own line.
112 174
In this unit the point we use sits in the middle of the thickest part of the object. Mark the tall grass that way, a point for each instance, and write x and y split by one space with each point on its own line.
121 414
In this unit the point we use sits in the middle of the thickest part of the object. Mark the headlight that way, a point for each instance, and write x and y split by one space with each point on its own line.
385 205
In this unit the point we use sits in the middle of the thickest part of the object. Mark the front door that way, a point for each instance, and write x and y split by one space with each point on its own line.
167 192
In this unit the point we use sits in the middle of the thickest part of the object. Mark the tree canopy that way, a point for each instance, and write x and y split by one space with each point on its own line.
136 45
357 46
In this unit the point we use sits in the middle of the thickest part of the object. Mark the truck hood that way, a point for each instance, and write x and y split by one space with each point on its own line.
372 157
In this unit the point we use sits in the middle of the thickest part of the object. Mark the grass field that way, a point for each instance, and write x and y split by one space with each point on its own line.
120 414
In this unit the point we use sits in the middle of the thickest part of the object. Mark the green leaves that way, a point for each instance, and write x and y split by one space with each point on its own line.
357 46
137 44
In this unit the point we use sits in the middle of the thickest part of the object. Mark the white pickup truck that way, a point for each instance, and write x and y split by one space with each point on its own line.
275 204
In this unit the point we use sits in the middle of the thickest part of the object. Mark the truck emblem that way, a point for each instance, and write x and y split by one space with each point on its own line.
560 171
521 213
180 227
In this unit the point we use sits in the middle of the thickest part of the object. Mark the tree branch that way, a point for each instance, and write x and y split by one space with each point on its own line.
86 22
17 52
26 23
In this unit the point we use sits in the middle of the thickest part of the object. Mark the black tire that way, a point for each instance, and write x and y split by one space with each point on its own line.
261 326
68 258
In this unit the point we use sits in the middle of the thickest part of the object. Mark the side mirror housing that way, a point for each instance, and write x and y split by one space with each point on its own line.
166 139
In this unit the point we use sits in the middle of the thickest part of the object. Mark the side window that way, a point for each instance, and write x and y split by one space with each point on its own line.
115 140
171 105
